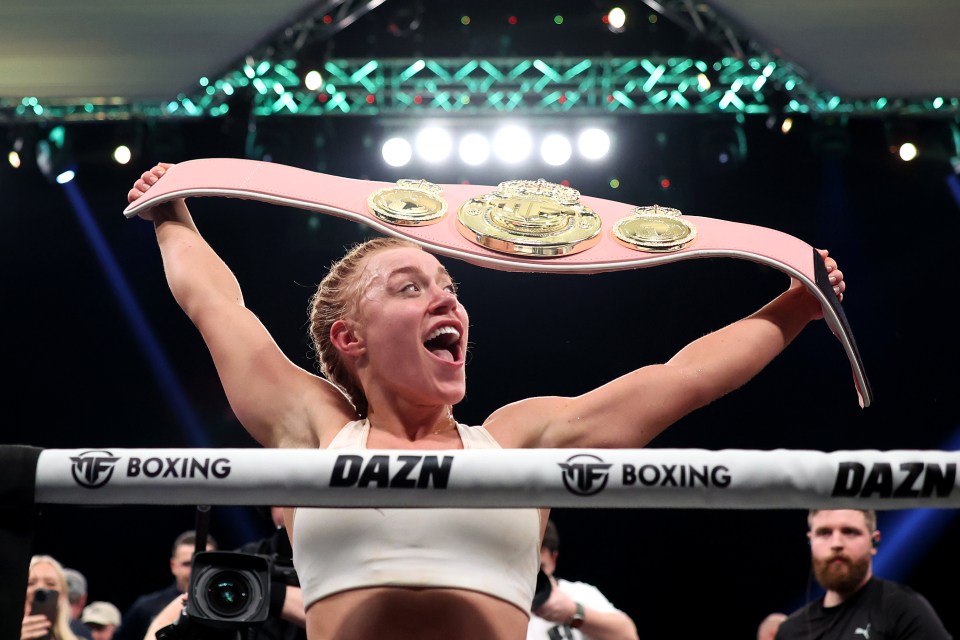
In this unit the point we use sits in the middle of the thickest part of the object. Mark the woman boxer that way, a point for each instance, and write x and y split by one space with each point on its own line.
391 337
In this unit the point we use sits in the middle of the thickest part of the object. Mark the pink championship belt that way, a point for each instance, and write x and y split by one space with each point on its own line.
532 226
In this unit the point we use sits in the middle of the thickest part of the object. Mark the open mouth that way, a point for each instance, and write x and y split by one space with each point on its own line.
444 343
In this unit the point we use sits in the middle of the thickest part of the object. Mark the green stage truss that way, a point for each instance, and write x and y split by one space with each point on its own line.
491 86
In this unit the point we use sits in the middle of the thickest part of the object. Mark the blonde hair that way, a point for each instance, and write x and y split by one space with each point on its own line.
61 628
336 297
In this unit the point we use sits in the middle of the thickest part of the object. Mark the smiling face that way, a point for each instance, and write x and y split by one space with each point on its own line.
408 332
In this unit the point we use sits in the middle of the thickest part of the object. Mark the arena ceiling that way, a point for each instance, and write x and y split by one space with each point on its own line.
893 48
61 50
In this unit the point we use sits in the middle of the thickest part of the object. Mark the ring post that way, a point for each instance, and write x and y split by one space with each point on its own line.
18 519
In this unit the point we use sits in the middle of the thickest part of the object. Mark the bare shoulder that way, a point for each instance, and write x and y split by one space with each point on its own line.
316 418
521 424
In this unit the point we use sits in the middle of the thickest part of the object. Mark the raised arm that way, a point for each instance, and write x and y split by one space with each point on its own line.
268 393
633 409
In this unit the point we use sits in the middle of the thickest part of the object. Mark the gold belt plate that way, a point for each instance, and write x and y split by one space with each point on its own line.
411 203
655 229
533 218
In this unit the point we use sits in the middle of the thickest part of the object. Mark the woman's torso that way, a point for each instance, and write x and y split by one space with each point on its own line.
400 573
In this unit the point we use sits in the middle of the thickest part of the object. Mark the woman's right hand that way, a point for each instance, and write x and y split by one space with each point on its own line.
147 179
34 626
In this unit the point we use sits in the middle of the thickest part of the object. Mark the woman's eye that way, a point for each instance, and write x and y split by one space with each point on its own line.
410 287
452 288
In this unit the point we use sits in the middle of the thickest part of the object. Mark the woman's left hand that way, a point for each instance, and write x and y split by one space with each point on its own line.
835 276
833 271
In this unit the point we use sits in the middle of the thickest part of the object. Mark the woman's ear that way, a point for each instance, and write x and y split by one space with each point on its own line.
344 339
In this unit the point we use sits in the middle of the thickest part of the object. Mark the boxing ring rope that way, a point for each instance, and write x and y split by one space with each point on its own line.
576 478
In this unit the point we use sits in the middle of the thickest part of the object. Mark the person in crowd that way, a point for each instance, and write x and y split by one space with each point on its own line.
391 336
286 619
102 618
76 591
77 595
856 603
574 610
46 573
137 618
767 630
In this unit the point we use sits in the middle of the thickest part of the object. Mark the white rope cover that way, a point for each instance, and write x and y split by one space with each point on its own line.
578 478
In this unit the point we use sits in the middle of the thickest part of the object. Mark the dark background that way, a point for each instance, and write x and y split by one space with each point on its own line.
77 375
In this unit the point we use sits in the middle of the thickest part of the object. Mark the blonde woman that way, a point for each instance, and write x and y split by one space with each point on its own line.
391 336
46 573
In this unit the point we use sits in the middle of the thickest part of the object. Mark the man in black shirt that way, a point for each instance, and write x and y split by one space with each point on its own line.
141 613
856 604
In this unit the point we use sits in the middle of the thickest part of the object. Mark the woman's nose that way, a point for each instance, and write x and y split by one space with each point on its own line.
444 300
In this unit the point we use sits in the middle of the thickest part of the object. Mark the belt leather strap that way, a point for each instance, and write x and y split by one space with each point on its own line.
347 198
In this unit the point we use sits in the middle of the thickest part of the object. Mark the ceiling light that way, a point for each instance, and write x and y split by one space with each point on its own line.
433 144
512 144
396 152
556 149
474 149
593 144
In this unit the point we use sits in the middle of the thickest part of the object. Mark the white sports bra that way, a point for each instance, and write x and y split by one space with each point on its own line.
493 551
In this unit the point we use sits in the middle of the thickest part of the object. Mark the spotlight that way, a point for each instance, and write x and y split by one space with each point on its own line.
512 144
616 18
396 152
555 149
22 147
15 155
66 176
593 143
122 154
909 139
908 151
474 149
433 144
53 156
313 80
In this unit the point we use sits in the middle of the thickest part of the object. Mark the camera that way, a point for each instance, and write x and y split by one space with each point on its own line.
542 590
229 589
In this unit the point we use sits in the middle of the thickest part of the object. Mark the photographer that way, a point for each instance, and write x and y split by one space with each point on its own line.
574 610
285 620
137 617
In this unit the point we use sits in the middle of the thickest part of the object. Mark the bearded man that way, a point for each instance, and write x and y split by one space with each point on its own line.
856 604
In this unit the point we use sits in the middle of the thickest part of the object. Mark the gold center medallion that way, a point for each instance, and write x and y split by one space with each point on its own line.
412 203
656 229
534 218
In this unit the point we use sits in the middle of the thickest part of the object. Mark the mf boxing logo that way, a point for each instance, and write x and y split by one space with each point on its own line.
93 469
585 474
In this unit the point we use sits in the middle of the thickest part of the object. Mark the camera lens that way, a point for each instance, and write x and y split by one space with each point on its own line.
228 593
